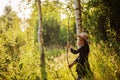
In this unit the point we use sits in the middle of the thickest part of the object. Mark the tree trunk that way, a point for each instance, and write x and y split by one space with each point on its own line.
78 16
40 42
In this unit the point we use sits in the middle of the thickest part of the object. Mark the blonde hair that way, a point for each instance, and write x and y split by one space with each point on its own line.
85 36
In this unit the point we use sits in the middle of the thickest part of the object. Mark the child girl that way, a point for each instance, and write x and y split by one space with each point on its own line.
82 66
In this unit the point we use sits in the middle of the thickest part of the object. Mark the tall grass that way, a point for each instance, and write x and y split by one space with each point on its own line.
104 63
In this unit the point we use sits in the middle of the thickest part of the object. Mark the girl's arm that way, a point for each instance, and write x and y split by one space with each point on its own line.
71 49
70 65
74 51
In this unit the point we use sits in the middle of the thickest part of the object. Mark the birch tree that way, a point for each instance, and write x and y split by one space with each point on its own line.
40 41
78 16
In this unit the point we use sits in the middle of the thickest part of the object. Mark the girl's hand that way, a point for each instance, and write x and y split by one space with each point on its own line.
70 65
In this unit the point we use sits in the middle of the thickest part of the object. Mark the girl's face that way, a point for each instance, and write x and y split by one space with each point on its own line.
81 41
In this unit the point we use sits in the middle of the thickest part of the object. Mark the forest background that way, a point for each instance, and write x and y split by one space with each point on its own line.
20 58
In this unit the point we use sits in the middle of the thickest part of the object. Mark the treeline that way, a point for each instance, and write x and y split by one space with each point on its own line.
101 19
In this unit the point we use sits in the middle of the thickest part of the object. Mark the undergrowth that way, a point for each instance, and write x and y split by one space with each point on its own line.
104 63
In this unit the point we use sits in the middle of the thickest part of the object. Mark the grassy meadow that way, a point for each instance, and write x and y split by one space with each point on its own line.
104 64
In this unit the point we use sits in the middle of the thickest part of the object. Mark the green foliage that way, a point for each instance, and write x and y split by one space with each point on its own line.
100 17
11 42
20 56
51 31
103 61
57 67
63 36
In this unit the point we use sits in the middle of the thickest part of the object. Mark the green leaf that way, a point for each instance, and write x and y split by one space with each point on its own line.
21 66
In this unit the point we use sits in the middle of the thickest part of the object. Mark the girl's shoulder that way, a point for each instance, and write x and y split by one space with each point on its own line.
84 46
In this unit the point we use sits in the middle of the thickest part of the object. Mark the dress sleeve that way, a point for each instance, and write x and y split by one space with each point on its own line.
74 51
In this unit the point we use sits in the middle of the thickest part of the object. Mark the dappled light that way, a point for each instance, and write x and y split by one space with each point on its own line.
36 38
